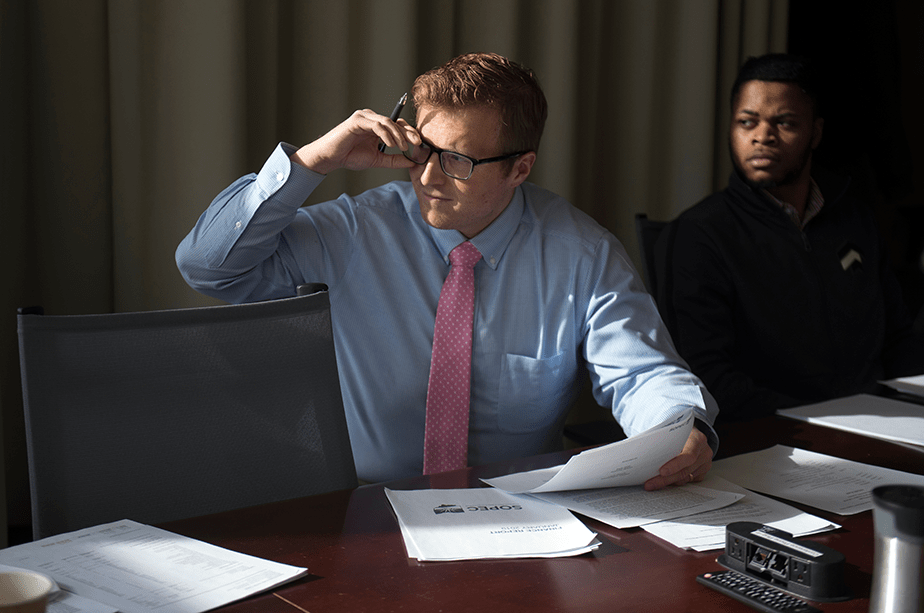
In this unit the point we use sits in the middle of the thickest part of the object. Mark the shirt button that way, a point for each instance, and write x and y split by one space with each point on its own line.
280 176
493 261
238 225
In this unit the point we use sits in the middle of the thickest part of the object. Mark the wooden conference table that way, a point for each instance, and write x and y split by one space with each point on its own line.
351 544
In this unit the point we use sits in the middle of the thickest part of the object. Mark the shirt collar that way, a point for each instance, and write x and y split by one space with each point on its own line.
812 207
492 241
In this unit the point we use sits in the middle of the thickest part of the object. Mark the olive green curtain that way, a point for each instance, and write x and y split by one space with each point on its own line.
122 119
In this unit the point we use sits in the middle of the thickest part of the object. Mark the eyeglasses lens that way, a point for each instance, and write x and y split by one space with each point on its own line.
456 166
417 153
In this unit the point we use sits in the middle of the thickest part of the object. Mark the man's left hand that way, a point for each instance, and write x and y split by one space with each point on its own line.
691 465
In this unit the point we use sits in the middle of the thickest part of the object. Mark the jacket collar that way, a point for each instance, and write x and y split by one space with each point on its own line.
833 187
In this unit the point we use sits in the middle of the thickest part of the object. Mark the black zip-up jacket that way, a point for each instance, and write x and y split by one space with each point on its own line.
771 316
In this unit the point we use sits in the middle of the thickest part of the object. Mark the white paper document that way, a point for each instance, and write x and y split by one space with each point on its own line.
869 415
628 462
706 531
909 385
66 602
479 523
821 481
627 507
140 569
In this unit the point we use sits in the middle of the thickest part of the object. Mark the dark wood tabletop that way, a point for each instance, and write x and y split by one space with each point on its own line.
352 546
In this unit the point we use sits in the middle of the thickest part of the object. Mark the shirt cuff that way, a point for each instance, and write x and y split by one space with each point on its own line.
287 182
712 439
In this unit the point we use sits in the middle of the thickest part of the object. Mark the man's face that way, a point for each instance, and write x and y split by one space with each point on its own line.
467 206
773 133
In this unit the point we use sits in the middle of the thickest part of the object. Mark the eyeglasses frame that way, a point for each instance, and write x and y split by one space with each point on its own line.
474 161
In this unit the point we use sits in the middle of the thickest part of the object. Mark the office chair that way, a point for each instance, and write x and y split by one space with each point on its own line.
647 232
161 415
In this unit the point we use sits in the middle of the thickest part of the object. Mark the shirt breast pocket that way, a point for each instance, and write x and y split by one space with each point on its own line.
531 392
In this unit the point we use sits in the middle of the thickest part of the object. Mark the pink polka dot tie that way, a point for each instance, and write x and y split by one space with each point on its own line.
446 437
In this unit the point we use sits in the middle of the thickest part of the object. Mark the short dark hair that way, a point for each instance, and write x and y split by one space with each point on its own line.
780 68
493 81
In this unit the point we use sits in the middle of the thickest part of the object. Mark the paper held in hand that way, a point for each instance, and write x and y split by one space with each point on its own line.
628 462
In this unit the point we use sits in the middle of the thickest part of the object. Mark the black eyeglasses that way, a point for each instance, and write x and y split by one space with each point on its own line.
453 164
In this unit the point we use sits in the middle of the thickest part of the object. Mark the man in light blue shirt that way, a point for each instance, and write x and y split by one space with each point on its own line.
555 294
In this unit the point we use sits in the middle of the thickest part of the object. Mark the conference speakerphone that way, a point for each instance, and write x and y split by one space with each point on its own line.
766 560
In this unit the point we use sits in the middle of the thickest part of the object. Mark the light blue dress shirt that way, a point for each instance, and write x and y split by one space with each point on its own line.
555 294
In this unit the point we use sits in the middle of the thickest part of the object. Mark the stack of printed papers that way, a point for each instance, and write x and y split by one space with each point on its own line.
706 531
467 524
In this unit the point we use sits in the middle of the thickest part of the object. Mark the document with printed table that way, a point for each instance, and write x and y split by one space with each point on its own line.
875 416
480 523
134 568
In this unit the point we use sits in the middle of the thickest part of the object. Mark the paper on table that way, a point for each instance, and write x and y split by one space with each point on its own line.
628 462
706 531
66 602
824 482
141 569
627 507
466 524
865 414
909 385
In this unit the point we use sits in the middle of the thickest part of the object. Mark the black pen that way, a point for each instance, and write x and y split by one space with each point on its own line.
395 114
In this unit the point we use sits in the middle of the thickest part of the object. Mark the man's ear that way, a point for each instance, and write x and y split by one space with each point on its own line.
817 128
522 167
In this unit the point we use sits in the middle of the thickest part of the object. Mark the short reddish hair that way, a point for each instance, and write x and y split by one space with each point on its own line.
493 81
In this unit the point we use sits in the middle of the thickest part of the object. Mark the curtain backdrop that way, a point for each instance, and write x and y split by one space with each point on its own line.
122 119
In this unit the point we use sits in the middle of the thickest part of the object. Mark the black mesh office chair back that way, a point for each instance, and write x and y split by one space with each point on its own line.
161 415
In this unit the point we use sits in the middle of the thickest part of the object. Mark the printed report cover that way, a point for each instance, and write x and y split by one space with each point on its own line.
465 524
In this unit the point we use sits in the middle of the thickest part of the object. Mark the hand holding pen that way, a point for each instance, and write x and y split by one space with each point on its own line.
347 145
395 114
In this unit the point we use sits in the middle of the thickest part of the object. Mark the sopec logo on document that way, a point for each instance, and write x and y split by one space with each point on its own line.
455 508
